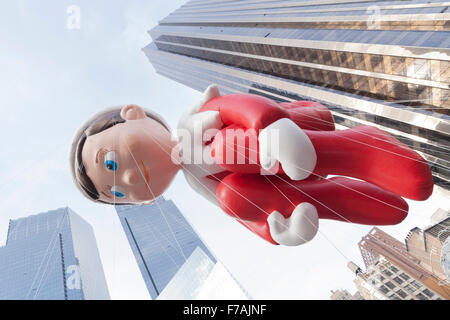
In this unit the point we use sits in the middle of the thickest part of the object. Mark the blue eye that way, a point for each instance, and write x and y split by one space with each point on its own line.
111 162
118 191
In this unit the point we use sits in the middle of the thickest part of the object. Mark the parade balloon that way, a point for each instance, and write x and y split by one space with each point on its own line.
264 163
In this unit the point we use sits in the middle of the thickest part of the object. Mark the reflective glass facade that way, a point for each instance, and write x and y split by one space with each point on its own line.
52 255
383 63
161 239
202 279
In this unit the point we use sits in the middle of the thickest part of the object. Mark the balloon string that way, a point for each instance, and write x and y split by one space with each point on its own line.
317 175
157 203
257 206
394 143
328 122
318 229
209 173
248 200
363 133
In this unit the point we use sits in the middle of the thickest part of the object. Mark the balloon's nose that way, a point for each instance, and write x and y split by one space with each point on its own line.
130 176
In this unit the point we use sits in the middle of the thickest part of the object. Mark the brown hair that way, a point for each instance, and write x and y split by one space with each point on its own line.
99 122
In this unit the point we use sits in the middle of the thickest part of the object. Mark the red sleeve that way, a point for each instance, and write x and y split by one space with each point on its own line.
309 115
246 110
236 149
257 112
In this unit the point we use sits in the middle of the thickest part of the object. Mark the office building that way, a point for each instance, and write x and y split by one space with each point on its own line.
163 243
345 295
394 272
382 63
445 259
378 243
199 278
51 256
387 281
427 246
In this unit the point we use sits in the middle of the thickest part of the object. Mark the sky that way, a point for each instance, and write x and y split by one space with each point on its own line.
52 78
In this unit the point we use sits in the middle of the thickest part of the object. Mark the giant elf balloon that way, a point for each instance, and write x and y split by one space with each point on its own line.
263 163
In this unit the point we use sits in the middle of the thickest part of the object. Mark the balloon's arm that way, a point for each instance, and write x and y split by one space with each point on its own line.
309 115
246 110
256 112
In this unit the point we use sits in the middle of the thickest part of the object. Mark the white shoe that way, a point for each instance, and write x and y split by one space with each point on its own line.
299 228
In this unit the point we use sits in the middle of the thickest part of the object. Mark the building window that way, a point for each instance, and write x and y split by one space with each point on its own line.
416 284
421 296
394 269
379 277
404 276
390 285
428 293
384 289
409 288
398 280
386 272
394 297
401 293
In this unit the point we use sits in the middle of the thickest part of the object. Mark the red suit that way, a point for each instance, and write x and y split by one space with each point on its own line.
388 170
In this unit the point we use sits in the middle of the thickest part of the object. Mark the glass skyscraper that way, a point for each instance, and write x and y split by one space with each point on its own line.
51 256
199 278
383 63
168 250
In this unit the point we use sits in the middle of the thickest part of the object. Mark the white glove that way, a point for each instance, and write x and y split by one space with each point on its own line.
299 228
195 128
211 92
285 142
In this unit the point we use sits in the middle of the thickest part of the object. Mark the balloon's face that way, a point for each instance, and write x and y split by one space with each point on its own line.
131 161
